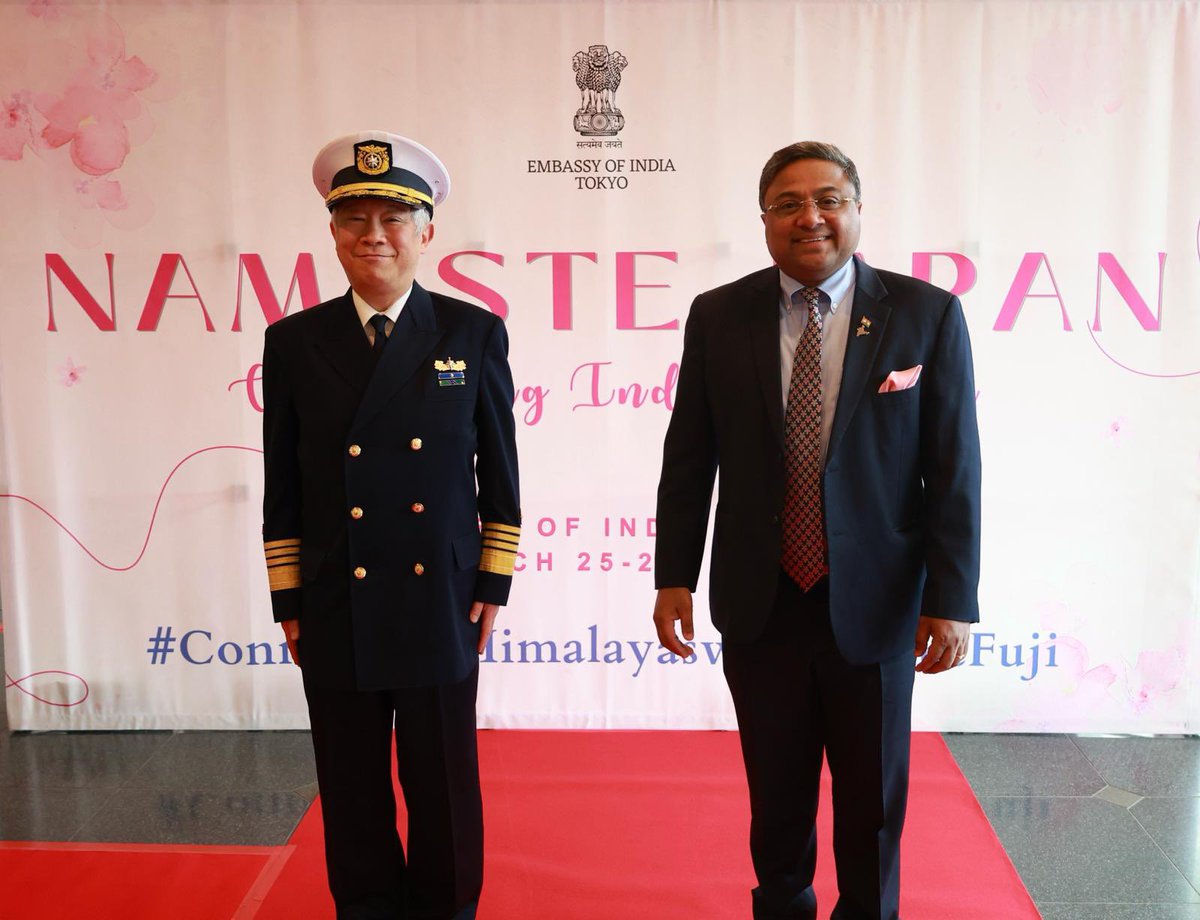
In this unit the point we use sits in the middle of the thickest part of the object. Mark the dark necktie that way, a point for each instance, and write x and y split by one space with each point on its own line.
379 322
803 556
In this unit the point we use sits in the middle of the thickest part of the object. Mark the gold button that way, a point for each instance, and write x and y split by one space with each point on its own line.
356 512
360 573
419 569
415 443
417 508
355 450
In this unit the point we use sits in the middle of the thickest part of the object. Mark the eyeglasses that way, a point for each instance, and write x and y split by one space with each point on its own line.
785 210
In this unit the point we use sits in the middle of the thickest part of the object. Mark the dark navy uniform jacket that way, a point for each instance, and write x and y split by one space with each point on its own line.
901 484
377 480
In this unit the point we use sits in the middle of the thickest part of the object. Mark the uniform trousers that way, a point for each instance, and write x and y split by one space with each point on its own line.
370 876
797 698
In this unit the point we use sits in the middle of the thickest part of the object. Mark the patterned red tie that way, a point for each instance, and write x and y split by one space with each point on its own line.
803 518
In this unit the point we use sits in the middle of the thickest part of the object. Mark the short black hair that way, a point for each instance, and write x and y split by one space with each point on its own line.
806 150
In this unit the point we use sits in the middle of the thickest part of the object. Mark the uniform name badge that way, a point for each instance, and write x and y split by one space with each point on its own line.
451 373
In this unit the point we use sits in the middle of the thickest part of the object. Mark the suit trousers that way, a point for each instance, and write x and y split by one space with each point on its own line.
438 766
796 699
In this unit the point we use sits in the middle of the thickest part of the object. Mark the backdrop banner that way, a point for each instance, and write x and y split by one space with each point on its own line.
1037 158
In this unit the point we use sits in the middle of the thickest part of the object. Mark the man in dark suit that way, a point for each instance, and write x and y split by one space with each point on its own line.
838 404
388 436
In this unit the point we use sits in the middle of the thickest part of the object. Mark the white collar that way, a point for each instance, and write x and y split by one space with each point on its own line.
366 311
836 286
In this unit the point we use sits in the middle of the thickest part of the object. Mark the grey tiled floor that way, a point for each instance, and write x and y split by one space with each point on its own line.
233 788
1098 828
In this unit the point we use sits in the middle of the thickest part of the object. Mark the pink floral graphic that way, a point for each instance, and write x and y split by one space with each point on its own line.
17 126
88 204
82 113
1155 675
1117 428
43 9
1074 81
1079 690
99 193
99 100
1084 681
94 126
70 373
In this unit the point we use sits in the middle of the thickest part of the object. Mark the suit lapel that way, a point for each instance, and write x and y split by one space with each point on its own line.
764 344
342 341
869 296
415 334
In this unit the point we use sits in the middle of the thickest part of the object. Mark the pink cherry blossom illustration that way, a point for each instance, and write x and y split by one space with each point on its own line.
1077 691
87 204
87 120
1086 683
18 120
1055 614
92 112
1117 429
1155 675
44 9
99 193
70 373
1075 81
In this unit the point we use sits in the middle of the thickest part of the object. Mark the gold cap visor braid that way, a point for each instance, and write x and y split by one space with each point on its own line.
379 190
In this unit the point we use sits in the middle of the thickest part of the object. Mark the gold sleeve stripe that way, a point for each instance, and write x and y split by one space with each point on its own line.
498 543
283 563
501 529
282 577
499 552
495 562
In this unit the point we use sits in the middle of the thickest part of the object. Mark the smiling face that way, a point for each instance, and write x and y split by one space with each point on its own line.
813 244
379 247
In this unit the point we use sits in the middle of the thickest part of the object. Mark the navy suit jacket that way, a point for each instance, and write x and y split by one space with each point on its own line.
377 478
902 476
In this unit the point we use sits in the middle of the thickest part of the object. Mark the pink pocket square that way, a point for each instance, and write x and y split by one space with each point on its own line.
901 380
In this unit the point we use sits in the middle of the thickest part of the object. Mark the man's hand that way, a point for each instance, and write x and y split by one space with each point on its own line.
943 643
291 632
674 604
485 616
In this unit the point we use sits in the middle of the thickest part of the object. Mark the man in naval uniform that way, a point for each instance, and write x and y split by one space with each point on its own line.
390 523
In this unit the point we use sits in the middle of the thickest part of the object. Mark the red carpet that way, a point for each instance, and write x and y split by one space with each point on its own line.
654 826
580 826
134 881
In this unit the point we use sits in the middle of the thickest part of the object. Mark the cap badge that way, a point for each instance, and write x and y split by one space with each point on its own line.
373 159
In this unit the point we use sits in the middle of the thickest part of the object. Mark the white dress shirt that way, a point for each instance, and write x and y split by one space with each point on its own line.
366 311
